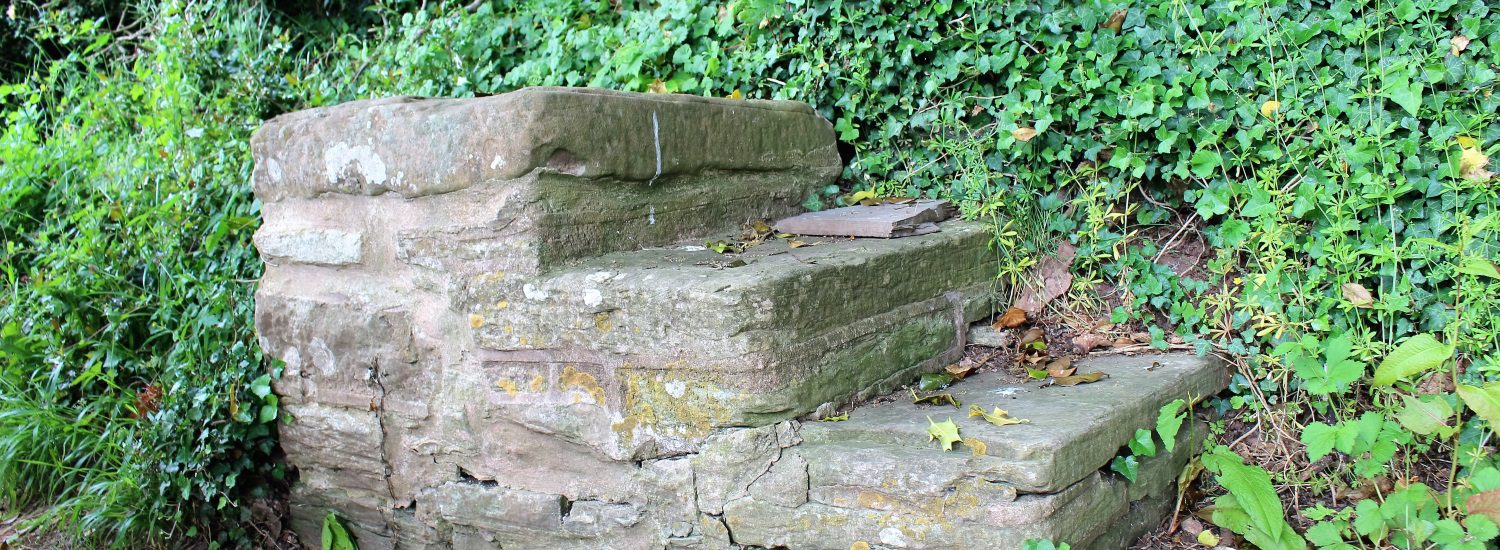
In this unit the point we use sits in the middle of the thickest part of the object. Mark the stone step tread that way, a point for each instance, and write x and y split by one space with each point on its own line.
1072 431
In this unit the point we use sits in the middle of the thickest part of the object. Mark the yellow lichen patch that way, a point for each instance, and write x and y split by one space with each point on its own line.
603 322
475 321
679 406
574 378
859 545
509 329
508 385
976 446
538 383
502 304
873 500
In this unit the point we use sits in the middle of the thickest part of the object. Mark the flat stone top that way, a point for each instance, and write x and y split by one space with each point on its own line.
1072 432
416 146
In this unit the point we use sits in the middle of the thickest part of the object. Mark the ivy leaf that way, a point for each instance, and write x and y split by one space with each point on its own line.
945 432
1425 416
1126 465
1233 232
1404 92
1204 163
1212 201
1484 401
1142 444
1418 353
1319 439
1169 422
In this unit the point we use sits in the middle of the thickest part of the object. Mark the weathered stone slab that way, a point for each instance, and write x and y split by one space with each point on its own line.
876 478
566 173
1072 431
653 350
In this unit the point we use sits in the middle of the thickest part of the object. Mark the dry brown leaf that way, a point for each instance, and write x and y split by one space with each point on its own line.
1487 503
1115 22
961 370
794 243
1060 368
1123 341
1055 277
1087 342
657 87
1012 318
1023 134
1032 336
1141 337
1085 378
1458 44
1358 295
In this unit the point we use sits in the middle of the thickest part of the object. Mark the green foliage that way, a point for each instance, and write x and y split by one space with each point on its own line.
1044 544
129 398
1250 507
335 537
1305 146
1143 444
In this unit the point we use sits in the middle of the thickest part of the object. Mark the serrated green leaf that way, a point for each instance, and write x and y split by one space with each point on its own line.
945 432
1485 401
1417 354
1424 416
1320 439
1479 267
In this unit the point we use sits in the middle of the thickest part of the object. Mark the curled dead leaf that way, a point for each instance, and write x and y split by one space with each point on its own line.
1034 338
1060 368
934 399
1115 22
794 243
657 87
1012 318
997 417
1074 380
1087 342
961 370
1458 44
1023 134
1358 295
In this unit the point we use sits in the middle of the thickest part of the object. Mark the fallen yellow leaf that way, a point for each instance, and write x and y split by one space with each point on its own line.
657 87
736 94
1471 165
1466 141
859 545
997 417
1023 133
1208 538
1269 108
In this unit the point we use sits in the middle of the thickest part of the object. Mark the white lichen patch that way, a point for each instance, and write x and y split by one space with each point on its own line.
360 159
592 297
533 292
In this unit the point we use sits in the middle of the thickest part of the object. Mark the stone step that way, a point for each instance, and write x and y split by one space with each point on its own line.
673 344
877 478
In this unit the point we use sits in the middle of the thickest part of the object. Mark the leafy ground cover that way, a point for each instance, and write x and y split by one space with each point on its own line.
1302 187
